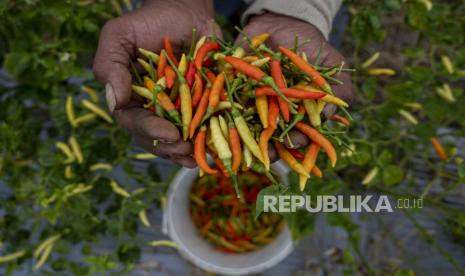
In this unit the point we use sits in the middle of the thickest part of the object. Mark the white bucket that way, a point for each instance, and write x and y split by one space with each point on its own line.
179 226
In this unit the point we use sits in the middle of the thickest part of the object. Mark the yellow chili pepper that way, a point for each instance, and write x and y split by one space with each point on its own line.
66 151
370 176
91 92
447 63
408 116
117 189
143 218
381 71
70 111
199 44
12 256
45 244
44 257
247 155
150 55
144 156
370 60
182 67
85 118
261 104
144 64
68 172
260 62
76 149
224 127
290 160
311 107
97 110
258 39
101 166
163 243
445 92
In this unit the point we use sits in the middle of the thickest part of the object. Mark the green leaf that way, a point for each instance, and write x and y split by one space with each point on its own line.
461 171
270 190
392 175
385 157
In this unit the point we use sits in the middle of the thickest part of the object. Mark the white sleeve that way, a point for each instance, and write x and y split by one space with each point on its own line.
320 13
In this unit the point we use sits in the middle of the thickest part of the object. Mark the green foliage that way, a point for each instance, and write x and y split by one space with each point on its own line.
47 48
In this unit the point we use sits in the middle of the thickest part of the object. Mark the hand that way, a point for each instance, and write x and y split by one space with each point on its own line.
283 30
145 28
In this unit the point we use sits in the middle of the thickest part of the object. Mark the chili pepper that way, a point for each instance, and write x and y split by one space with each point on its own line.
289 92
97 110
261 104
297 154
235 144
307 68
243 129
214 97
328 98
258 39
207 63
439 149
297 118
309 162
76 149
340 119
273 112
177 103
185 98
143 218
66 150
144 64
220 165
150 55
152 94
256 74
182 67
117 189
162 98
197 94
370 60
370 176
289 159
162 63
190 75
247 156
224 127
263 144
169 77
276 73
169 50
199 113
203 52
381 71
224 152
408 116
316 137
311 107
70 111
260 62
199 152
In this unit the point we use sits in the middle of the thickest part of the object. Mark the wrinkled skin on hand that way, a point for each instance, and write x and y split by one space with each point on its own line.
145 28
282 30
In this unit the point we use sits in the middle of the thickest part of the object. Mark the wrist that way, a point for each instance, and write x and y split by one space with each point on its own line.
205 6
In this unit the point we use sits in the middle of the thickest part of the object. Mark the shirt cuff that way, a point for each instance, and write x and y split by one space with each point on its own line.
320 13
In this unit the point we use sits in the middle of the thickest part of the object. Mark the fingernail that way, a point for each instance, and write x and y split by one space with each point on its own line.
110 96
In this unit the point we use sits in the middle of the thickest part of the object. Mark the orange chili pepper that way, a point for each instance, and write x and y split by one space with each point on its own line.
340 119
200 111
273 112
170 76
289 92
307 68
235 144
217 87
276 73
199 152
197 90
317 171
203 52
161 66
439 149
265 136
316 137
309 162
169 50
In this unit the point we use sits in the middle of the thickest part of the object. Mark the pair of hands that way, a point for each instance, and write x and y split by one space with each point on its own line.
145 28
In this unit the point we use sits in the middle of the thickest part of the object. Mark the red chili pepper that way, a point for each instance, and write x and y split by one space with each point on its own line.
297 154
208 63
177 104
203 52
190 74
169 50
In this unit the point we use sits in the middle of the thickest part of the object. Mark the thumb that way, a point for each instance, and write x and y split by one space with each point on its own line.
111 63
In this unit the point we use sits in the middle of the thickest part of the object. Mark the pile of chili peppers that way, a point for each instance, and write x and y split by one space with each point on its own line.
232 103
228 222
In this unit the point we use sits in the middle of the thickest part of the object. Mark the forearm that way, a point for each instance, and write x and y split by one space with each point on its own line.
320 13
204 5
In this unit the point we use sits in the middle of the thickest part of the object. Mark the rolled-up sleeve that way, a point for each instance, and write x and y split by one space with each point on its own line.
320 13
